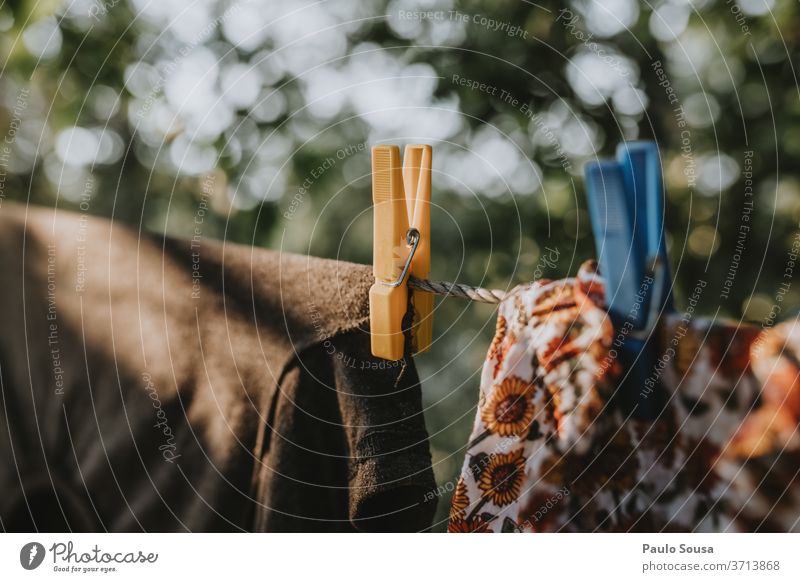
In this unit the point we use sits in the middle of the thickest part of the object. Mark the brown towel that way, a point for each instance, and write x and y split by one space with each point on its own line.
161 385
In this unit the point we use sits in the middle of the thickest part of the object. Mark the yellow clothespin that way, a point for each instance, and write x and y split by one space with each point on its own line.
402 226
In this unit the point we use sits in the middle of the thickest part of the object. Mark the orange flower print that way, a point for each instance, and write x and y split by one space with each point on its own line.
499 335
509 409
502 477
474 525
460 501
557 299
497 350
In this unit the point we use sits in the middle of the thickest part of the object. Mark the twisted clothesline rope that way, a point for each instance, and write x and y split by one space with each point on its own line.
441 287
457 290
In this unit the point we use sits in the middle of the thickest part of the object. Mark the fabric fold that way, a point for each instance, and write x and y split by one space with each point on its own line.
153 384
551 450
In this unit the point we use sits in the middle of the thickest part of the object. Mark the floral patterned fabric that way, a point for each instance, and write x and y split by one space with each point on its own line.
550 449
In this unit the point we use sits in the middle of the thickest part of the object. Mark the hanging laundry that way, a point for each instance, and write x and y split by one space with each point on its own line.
162 385
551 450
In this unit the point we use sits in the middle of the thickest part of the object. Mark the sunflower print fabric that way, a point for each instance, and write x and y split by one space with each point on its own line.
550 450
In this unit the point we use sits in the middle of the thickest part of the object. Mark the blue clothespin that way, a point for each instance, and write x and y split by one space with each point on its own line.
626 204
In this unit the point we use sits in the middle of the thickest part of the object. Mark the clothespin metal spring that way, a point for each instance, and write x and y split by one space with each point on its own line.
412 241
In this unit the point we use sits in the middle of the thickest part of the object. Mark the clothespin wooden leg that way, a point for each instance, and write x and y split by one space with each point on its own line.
417 163
388 304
